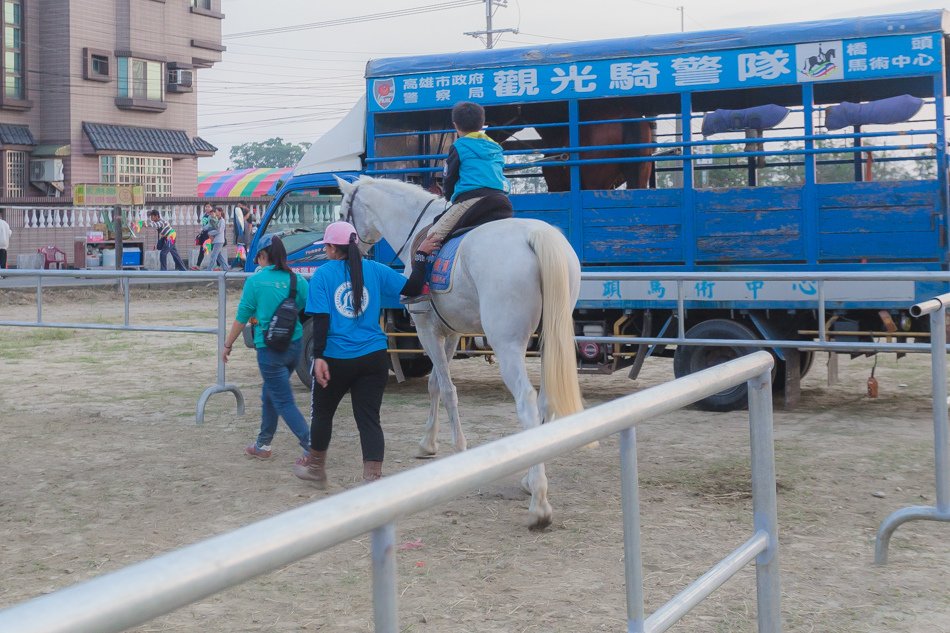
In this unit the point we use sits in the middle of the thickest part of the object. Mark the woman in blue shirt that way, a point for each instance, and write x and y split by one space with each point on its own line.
263 292
349 347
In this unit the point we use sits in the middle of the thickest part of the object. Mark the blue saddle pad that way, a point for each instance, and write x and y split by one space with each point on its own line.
440 269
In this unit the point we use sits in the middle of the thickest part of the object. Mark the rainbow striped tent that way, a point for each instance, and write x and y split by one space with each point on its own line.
241 183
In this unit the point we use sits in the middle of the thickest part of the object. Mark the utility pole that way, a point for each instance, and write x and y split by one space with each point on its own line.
489 32
678 176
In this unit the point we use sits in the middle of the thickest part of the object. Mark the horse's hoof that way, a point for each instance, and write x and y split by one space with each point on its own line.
593 445
424 454
540 523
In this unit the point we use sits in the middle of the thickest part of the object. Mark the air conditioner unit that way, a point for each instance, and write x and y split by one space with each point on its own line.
180 77
46 170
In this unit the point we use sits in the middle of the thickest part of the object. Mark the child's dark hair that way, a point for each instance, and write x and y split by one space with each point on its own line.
277 255
468 116
153 213
354 260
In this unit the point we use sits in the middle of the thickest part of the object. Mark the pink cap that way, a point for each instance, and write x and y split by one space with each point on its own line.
337 234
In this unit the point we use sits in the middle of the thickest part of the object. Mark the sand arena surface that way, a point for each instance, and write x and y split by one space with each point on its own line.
102 465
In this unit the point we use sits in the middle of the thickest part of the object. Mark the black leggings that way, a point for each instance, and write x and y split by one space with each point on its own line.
365 377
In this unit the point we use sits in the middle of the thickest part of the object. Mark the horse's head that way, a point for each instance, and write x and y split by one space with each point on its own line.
357 209
381 208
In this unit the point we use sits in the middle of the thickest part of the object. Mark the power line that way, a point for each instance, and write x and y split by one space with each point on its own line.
546 37
309 50
370 17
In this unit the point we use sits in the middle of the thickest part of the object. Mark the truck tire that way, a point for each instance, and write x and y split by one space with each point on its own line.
303 363
413 365
689 359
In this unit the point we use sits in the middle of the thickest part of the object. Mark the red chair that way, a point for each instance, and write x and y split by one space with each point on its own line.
53 257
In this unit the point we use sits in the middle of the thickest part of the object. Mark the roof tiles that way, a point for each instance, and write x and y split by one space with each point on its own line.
145 140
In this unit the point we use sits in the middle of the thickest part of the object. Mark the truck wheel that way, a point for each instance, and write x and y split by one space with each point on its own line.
413 365
689 359
303 363
806 362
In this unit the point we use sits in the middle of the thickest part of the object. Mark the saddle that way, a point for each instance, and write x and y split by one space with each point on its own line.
439 273
439 267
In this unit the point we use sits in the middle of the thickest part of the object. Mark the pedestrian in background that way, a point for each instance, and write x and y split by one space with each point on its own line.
166 240
263 293
248 225
243 233
217 231
202 236
5 233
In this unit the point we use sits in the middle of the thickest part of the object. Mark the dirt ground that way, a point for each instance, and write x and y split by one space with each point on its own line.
102 465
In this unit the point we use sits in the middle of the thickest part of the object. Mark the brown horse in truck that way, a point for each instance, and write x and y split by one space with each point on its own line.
599 176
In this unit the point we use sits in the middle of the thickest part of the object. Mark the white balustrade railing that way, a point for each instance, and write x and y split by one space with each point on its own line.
179 215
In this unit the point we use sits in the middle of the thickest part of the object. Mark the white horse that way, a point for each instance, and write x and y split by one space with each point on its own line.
509 275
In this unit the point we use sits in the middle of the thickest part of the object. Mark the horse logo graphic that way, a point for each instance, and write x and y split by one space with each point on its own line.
819 61
384 91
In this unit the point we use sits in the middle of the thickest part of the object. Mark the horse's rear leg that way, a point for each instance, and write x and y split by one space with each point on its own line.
515 375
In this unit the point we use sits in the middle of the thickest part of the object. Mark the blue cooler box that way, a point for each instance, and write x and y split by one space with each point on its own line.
131 258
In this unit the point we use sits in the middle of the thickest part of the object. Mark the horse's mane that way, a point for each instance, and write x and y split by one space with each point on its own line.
400 187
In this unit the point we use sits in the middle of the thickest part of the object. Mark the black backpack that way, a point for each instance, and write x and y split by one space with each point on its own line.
281 329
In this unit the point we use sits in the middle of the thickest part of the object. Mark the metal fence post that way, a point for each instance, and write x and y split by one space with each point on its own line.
764 503
39 298
222 324
937 309
632 555
126 298
385 610
938 364
220 385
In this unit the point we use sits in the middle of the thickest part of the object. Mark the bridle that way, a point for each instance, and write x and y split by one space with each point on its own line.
349 218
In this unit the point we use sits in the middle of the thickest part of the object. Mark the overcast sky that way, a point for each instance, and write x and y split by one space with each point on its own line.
296 85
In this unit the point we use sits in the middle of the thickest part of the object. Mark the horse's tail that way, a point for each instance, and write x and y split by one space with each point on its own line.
558 358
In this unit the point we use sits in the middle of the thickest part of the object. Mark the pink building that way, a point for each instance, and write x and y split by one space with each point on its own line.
103 91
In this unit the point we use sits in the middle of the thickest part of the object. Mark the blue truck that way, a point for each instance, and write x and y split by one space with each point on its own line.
815 146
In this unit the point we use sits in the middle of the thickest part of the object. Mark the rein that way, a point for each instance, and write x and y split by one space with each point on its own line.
349 218
412 231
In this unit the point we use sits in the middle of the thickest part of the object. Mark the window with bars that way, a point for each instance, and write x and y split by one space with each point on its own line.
15 179
12 60
154 173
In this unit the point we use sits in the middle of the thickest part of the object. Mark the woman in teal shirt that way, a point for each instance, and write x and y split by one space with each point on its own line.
263 292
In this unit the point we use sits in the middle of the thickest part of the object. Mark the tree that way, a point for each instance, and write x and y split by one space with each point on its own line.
273 152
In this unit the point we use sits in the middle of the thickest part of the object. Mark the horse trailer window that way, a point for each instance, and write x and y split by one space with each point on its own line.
748 138
419 139
896 150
